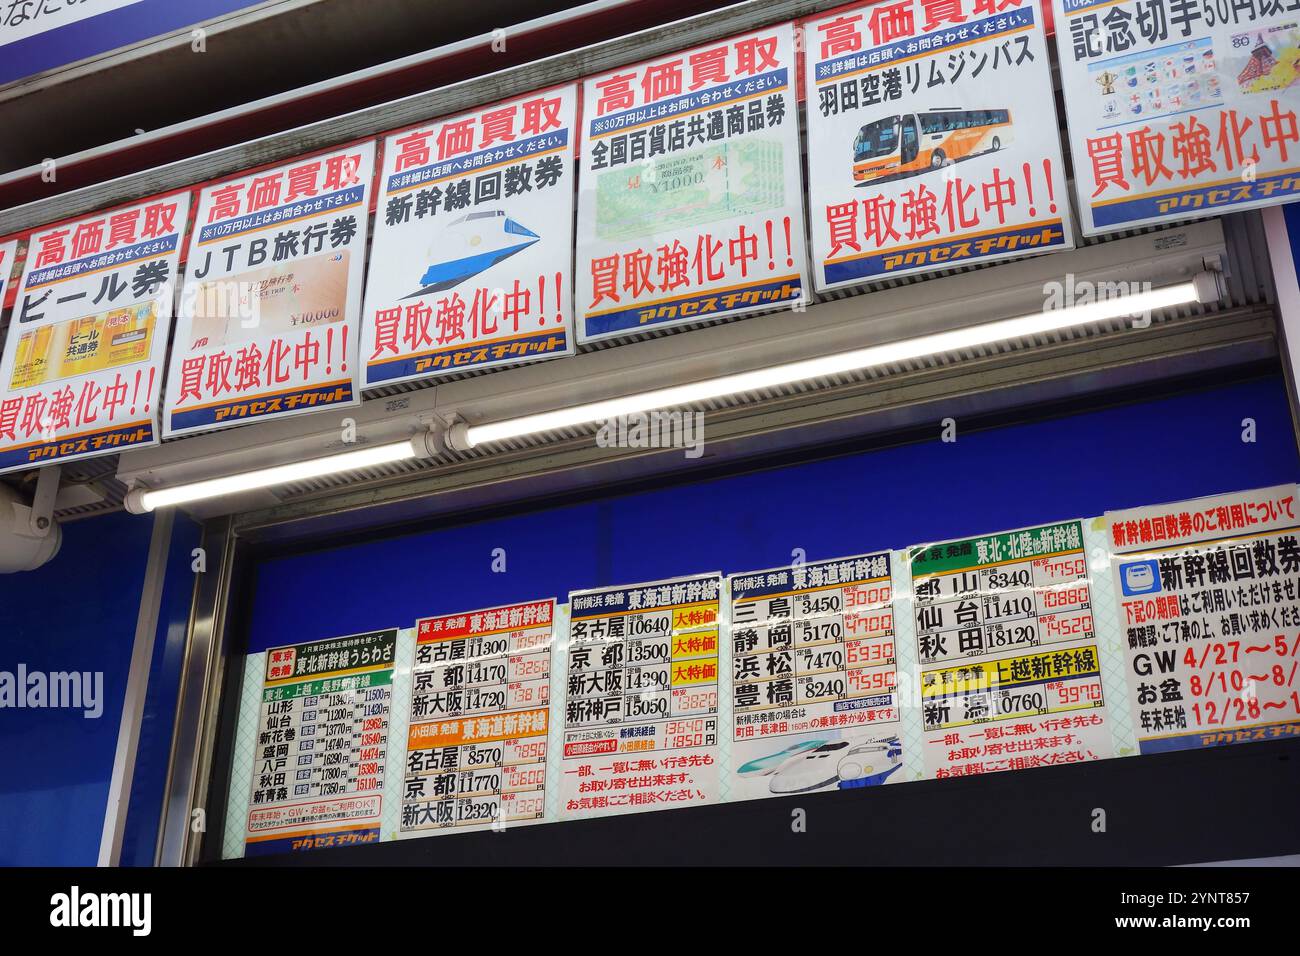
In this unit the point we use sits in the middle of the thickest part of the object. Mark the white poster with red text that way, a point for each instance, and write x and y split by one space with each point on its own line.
931 139
1179 109
268 322
472 264
1010 657
814 668
83 359
690 205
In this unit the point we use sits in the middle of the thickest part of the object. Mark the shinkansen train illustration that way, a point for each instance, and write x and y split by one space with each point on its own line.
845 763
469 245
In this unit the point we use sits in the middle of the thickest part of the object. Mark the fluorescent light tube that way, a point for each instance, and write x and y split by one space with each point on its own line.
1202 288
467 436
141 500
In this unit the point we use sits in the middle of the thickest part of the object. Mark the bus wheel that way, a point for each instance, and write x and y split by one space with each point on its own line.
997 144
937 159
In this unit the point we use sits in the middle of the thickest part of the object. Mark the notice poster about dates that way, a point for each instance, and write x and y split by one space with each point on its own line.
1209 603
1010 667
476 750
641 698
814 678
321 745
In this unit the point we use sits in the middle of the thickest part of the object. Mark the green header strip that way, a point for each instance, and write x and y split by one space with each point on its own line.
987 550
327 685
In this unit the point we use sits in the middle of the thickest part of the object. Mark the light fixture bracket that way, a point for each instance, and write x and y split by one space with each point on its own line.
458 435
430 443
133 501
47 490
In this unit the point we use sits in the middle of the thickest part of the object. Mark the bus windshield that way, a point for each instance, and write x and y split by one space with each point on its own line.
877 139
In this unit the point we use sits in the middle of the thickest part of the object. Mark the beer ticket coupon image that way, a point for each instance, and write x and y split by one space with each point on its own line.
91 343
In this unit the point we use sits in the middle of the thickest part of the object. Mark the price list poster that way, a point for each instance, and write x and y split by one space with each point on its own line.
641 704
1209 605
1011 675
814 678
321 744
476 746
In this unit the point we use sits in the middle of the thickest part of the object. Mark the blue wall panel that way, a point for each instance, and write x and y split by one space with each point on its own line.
79 613
1075 466
76 613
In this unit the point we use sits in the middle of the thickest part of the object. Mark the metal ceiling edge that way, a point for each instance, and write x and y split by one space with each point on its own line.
181 36
288 97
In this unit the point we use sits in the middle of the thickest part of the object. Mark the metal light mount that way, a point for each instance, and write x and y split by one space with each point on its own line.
431 442
1209 283
42 509
457 436
29 534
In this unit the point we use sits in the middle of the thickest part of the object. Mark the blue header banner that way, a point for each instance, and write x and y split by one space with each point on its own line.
46 34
